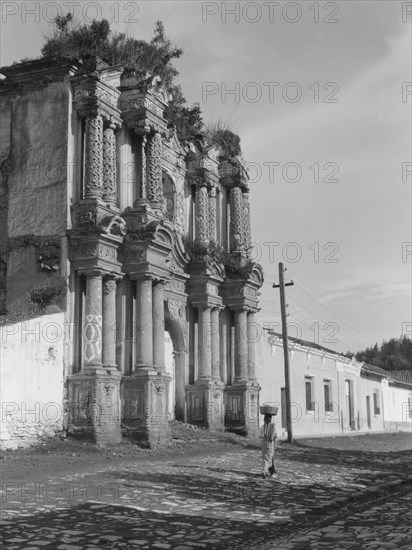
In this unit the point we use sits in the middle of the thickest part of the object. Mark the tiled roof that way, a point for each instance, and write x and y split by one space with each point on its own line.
371 369
404 375
304 342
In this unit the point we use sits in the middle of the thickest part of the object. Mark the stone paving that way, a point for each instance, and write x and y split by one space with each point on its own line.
321 499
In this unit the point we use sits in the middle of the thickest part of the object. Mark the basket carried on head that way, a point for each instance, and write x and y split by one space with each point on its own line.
268 409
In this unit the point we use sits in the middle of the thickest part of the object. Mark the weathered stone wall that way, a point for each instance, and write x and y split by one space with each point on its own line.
38 162
32 386
5 122
34 192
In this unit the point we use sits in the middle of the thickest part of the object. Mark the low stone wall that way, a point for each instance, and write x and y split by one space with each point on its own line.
32 380
391 426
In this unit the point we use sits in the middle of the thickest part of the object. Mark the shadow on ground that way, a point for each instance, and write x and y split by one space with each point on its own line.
118 527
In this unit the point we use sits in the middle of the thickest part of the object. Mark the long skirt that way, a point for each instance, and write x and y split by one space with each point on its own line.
268 456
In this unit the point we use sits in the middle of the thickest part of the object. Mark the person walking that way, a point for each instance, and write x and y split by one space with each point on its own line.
269 436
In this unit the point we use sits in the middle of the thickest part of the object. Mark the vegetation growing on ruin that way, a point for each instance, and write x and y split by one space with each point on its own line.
70 39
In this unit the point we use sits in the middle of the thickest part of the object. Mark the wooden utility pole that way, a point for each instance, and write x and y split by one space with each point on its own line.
281 286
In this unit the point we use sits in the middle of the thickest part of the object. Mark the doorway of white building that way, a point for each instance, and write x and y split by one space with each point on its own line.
170 365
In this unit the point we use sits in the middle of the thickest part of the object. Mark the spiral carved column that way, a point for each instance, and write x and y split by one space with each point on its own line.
93 158
202 215
246 221
212 215
109 165
155 191
236 219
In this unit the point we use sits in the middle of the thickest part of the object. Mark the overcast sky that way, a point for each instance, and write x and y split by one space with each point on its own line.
320 100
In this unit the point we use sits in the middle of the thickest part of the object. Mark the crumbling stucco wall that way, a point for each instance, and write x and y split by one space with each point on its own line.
32 380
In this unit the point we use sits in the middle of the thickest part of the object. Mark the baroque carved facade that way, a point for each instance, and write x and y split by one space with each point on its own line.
157 239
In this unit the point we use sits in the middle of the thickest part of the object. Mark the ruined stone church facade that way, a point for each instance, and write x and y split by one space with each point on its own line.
143 238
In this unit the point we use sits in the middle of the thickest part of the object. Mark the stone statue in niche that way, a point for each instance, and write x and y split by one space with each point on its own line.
169 198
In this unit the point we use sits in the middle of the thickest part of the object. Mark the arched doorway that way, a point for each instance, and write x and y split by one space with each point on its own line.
176 367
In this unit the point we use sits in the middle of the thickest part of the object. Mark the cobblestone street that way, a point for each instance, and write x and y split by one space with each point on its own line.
330 493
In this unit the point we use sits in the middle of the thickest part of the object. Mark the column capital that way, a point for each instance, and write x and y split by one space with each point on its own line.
202 307
109 123
138 279
109 285
91 273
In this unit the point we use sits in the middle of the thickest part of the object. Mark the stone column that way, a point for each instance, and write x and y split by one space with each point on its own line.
236 219
143 191
202 215
155 190
93 158
251 342
212 215
109 165
109 322
92 322
205 364
224 328
246 221
215 343
241 350
144 323
158 325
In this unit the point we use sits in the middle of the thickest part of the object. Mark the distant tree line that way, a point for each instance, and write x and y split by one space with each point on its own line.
394 354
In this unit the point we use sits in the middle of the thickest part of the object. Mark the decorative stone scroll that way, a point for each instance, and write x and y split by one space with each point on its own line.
177 311
180 213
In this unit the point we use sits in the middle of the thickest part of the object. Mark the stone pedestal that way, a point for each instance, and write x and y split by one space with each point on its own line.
94 406
205 404
242 408
144 397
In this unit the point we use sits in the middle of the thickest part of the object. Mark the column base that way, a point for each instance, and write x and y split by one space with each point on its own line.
144 407
242 408
205 404
94 406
